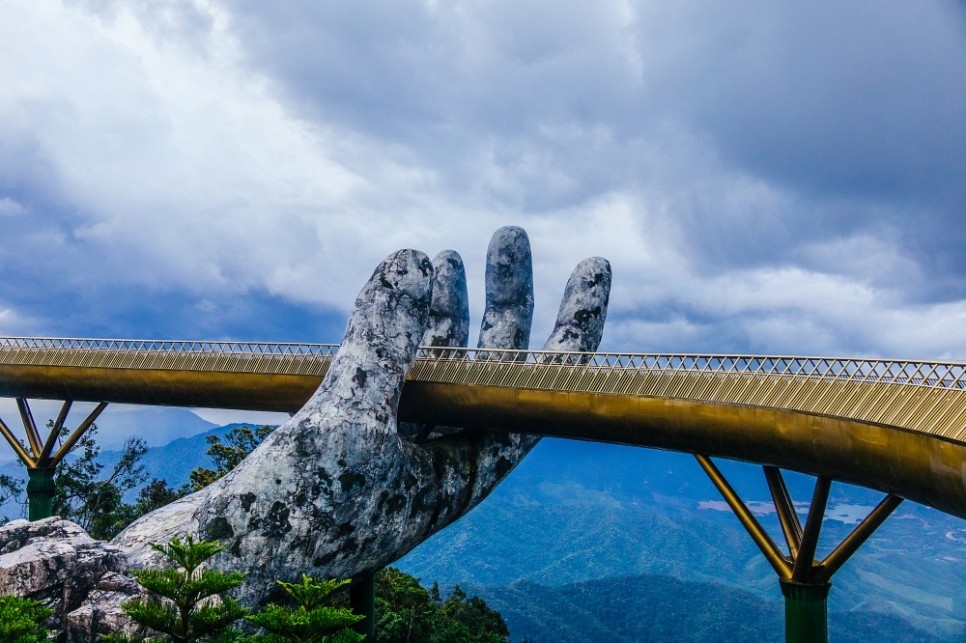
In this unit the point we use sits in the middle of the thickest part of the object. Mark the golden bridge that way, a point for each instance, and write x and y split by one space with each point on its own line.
892 425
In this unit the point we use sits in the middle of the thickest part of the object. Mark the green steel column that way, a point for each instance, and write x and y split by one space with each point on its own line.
362 599
40 493
806 612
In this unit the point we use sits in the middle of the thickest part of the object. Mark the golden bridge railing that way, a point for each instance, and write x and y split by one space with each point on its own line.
928 397
229 357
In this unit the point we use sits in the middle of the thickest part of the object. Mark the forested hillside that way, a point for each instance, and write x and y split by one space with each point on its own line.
659 608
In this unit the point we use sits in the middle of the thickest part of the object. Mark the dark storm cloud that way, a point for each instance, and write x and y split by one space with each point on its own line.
519 87
857 111
859 108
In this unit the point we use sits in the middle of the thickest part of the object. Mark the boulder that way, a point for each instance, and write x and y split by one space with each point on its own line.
83 580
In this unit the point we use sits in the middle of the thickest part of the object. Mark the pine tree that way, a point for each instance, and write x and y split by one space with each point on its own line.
178 607
311 620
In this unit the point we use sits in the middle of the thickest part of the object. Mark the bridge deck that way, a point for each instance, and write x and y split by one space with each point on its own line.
898 426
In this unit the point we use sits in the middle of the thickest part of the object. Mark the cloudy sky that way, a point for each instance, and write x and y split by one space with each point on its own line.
764 177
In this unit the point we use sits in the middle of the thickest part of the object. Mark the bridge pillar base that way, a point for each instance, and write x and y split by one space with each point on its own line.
40 493
806 611
362 600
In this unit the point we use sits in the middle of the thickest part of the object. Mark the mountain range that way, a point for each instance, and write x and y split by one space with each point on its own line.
575 515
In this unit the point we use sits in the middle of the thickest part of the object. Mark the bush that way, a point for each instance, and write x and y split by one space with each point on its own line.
22 620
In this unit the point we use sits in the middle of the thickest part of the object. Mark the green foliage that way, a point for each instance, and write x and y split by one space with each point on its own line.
10 487
22 620
311 619
406 611
154 495
469 620
239 442
91 500
96 502
173 608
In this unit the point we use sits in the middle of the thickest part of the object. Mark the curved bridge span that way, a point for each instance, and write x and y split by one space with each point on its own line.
896 426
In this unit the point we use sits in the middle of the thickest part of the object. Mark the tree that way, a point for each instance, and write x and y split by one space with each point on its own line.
407 612
178 605
94 502
153 495
239 442
404 610
468 621
10 488
311 620
22 620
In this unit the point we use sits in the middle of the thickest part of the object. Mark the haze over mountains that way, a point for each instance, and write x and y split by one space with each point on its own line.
589 541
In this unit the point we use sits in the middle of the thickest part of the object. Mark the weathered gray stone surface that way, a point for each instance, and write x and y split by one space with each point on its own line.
56 562
339 490
449 312
509 291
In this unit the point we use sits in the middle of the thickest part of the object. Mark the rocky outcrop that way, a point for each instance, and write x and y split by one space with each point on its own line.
56 562
339 490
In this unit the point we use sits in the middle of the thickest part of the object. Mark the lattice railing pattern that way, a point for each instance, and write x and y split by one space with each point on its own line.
227 357
929 397
922 396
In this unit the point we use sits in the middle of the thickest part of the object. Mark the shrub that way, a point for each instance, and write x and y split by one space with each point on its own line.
22 620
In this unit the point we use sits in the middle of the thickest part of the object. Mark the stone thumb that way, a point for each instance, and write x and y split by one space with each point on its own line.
384 331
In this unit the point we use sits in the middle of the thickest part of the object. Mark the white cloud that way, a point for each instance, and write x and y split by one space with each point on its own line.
14 323
10 208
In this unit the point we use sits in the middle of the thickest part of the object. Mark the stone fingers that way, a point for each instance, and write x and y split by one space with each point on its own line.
448 327
469 465
449 312
583 308
490 456
509 291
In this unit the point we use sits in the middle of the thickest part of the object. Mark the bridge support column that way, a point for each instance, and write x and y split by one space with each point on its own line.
39 456
40 493
806 611
362 600
805 582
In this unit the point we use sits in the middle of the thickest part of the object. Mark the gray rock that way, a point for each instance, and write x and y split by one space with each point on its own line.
449 312
56 562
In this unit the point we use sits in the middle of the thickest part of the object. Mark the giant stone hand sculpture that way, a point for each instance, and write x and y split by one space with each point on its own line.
339 490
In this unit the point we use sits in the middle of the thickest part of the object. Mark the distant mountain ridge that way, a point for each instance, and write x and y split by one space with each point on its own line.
662 608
